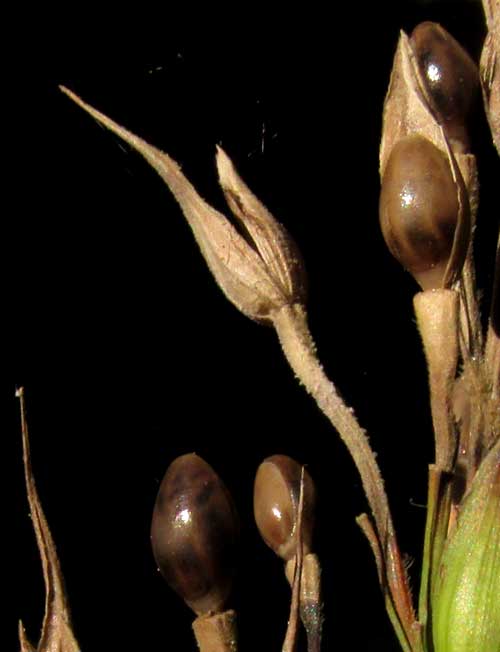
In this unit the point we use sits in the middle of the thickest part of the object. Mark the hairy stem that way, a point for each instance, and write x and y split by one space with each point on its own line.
298 347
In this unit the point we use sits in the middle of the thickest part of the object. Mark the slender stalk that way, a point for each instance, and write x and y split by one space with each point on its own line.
291 636
366 526
425 576
470 320
216 633
299 349
438 515
437 319
311 608
492 348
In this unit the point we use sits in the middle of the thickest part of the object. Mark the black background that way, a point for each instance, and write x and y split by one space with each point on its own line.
130 354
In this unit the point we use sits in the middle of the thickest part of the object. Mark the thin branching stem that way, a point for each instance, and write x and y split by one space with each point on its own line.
299 349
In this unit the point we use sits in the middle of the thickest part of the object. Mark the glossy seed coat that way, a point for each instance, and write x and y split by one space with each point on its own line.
193 533
449 74
419 209
276 502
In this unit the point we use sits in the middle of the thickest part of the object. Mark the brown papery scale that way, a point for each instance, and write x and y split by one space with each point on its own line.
419 211
276 503
193 534
450 76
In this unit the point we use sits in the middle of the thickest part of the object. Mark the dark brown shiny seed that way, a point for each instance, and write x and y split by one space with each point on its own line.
193 533
419 209
276 502
451 77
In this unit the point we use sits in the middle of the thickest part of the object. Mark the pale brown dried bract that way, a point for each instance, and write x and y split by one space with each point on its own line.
490 69
57 635
405 108
25 644
259 275
276 247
